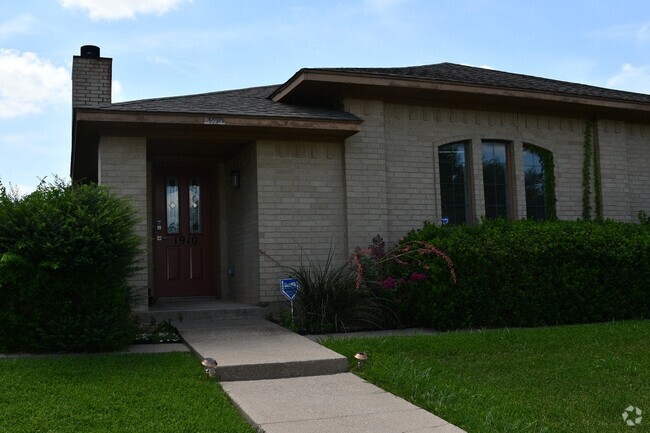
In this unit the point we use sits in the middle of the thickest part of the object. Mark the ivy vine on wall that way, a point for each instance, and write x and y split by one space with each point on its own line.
598 193
586 172
591 163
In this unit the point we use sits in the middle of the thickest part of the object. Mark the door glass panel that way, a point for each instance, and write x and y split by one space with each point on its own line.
195 205
172 205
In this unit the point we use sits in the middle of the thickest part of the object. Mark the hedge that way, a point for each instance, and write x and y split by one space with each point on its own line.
66 252
528 273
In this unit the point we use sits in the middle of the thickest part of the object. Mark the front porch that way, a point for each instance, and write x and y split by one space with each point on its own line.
204 308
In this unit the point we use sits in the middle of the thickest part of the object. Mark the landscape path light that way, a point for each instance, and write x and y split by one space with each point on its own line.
210 367
361 358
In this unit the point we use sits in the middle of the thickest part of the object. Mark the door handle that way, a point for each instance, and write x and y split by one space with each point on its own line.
160 238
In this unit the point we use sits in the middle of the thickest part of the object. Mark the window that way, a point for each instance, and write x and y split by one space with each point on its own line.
537 178
453 183
495 179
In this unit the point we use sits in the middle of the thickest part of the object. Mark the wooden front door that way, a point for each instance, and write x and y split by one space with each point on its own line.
182 233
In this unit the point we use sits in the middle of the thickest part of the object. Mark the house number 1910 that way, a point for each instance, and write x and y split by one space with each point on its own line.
180 240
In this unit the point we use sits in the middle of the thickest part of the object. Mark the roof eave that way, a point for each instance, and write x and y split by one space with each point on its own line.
347 78
217 120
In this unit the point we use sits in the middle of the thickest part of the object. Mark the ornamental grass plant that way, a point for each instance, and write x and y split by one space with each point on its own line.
329 299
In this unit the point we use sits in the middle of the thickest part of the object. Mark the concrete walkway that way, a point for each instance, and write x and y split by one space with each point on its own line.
285 383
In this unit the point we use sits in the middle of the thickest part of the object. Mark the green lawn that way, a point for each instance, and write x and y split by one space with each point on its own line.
569 379
113 393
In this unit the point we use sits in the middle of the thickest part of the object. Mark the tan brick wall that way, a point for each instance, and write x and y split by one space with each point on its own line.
301 207
366 174
637 139
405 139
242 227
122 166
91 81
612 147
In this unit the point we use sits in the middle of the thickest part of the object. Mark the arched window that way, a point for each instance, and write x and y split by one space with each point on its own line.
538 179
452 159
496 185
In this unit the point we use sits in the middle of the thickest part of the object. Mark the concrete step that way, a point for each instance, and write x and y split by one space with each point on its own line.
198 309
255 349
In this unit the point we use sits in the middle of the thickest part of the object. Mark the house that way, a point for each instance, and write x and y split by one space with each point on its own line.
334 156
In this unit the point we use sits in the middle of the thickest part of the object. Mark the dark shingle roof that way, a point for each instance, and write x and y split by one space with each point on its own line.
256 101
454 73
243 102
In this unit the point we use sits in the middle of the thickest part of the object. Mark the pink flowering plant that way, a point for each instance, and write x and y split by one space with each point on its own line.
396 275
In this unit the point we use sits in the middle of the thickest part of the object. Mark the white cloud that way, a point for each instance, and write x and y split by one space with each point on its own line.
382 6
120 9
116 91
639 33
643 33
631 78
28 83
20 25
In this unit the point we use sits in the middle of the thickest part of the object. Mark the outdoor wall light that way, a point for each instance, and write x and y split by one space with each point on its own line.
361 358
234 179
210 367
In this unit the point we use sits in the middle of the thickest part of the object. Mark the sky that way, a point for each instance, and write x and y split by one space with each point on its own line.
179 47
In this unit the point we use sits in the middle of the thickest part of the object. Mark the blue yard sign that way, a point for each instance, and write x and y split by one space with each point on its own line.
289 288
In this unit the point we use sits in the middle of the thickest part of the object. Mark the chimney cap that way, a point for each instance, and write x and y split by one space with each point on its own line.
90 51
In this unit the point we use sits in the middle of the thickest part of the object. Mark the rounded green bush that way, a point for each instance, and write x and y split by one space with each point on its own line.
66 251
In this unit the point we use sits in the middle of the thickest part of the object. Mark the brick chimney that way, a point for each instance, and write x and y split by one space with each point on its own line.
91 78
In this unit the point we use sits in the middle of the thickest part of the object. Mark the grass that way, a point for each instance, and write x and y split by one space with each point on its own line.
569 379
113 393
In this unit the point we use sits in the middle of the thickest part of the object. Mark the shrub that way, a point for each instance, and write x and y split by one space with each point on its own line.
65 254
528 273
329 298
